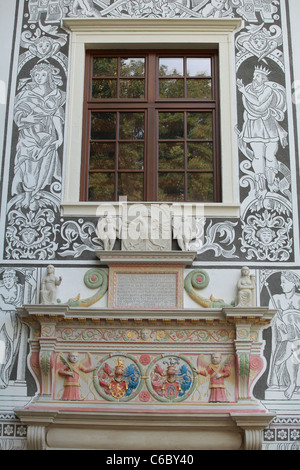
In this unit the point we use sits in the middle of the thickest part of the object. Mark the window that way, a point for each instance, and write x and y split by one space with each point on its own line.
131 34
151 127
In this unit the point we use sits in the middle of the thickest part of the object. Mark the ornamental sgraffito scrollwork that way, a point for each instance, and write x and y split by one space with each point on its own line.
35 191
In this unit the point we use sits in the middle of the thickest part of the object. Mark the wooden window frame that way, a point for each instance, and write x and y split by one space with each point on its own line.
151 105
172 34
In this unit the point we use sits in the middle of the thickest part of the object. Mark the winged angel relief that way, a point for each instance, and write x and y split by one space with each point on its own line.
73 372
216 375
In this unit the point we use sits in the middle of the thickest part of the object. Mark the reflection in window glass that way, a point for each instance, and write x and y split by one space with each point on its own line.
199 126
200 187
131 185
199 88
151 118
103 126
104 88
132 126
198 67
102 156
101 187
171 125
170 67
131 156
105 67
132 67
171 156
171 187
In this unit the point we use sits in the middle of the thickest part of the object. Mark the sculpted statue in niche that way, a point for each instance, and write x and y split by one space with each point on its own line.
49 284
73 371
217 371
246 289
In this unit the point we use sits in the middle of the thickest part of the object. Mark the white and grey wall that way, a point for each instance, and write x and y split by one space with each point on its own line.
34 233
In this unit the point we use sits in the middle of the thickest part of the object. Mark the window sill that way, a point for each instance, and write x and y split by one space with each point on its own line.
96 209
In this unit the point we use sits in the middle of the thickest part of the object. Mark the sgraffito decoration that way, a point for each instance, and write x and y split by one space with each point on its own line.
17 285
34 228
263 141
281 290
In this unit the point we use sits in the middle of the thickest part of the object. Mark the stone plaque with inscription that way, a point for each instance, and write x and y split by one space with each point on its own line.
147 288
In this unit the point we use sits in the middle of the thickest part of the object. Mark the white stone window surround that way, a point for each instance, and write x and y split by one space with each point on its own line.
135 33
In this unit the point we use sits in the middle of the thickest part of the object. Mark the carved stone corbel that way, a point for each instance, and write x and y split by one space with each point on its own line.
253 427
36 438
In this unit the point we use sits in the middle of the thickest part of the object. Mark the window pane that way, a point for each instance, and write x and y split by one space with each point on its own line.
132 126
171 88
101 187
171 187
171 156
105 67
103 126
200 156
102 156
131 156
104 88
171 125
198 67
132 88
199 126
131 185
199 88
200 187
170 66
132 67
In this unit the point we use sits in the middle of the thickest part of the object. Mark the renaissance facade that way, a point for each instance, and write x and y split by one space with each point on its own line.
149 276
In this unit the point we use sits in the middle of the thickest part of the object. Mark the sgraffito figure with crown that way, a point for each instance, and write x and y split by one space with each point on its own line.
264 107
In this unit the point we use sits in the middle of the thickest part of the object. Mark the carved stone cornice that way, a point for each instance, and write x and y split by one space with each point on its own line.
63 313
59 429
